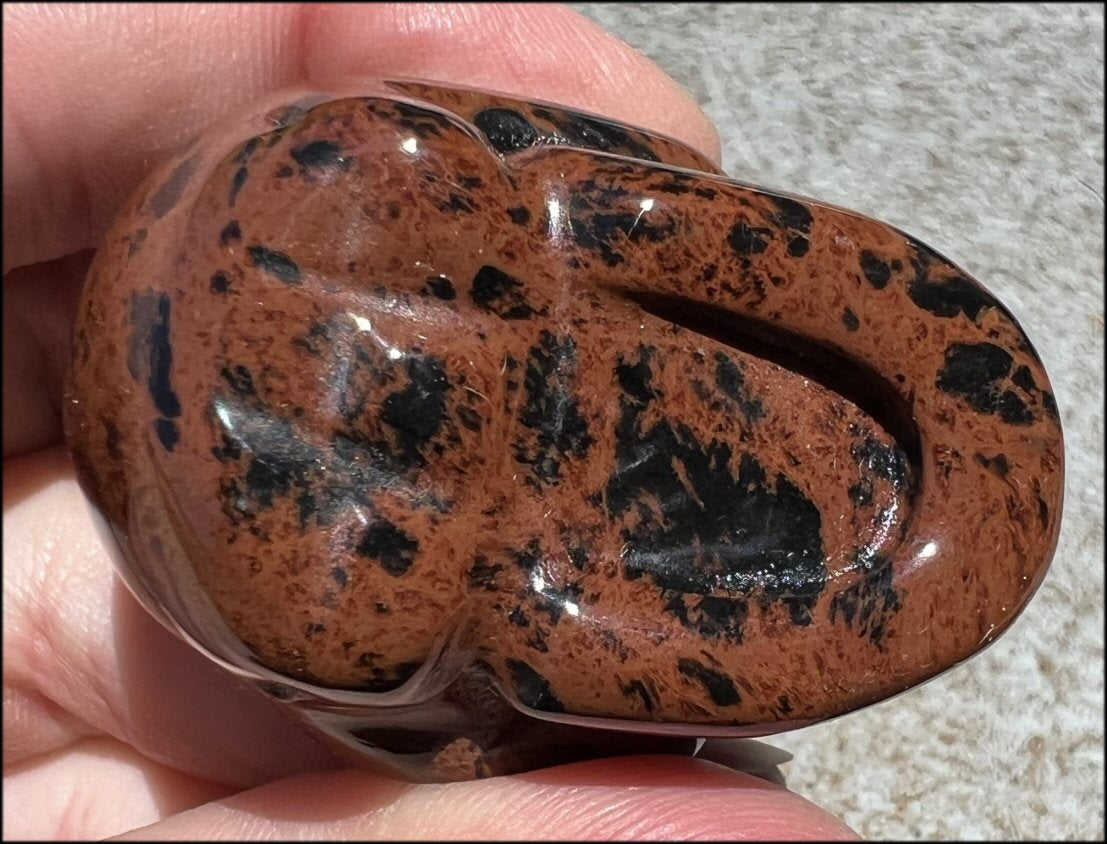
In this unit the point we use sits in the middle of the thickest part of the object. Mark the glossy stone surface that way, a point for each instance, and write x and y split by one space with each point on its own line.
438 413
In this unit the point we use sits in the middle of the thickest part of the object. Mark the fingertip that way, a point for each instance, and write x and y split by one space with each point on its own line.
647 798
74 146
536 51
679 798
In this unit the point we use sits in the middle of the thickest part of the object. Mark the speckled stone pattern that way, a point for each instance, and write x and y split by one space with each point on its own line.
979 129
424 382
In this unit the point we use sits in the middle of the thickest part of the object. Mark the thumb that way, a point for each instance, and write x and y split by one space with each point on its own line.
642 798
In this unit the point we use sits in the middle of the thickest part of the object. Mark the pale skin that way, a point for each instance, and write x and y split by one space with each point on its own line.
112 727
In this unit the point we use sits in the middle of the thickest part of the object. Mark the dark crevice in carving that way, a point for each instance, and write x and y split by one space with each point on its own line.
851 379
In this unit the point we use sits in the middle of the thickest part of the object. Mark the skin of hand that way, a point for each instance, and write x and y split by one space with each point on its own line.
112 726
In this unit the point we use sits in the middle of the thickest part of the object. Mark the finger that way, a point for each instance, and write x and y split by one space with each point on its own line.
81 657
94 789
74 147
635 798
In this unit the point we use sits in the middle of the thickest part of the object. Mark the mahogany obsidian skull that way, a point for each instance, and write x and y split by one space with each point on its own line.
469 426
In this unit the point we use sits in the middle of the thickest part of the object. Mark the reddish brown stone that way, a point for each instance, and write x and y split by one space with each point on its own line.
386 393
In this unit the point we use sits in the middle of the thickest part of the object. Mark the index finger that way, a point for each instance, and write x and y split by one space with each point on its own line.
96 94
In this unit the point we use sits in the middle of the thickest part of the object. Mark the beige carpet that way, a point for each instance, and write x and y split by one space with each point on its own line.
978 129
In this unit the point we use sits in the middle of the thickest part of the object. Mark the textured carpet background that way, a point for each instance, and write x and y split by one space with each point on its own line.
979 129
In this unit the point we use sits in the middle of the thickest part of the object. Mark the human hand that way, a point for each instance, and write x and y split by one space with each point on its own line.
112 724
